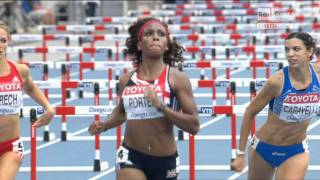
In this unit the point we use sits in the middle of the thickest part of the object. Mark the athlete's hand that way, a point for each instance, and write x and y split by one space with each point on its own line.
152 97
97 127
238 164
45 118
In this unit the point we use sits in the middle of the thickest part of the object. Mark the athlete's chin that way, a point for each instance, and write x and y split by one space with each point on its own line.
156 54
294 64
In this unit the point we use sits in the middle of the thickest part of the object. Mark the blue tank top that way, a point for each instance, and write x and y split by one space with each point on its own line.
294 105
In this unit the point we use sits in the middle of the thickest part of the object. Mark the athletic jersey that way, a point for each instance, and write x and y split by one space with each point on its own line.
294 105
12 145
11 99
136 104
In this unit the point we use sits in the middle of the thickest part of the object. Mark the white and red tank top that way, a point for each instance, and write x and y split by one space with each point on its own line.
11 87
136 105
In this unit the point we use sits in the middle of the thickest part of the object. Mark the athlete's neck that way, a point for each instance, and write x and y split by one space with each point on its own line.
300 74
150 70
3 58
4 67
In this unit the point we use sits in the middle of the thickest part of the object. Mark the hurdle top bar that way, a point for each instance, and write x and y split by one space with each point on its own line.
88 84
207 27
228 6
105 49
208 110
122 37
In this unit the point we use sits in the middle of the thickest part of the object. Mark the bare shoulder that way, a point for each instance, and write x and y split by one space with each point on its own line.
276 78
124 80
275 83
316 67
22 69
175 73
178 78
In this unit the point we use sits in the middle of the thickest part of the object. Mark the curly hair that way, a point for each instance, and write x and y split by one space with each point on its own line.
172 55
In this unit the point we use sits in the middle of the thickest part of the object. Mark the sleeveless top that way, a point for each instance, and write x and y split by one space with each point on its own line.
136 105
294 105
11 87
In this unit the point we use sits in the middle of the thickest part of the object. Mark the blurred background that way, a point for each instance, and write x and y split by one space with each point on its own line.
22 15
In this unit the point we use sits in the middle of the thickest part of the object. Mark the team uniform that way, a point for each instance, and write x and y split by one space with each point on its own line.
11 101
137 107
291 105
14 145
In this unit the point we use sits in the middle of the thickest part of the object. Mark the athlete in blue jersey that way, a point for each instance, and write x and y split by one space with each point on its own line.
154 98
280 146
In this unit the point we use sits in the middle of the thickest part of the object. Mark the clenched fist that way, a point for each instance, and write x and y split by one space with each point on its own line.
97 127
238 164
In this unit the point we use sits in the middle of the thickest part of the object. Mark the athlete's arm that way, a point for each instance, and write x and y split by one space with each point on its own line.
36 94
270 90
117 117
188 120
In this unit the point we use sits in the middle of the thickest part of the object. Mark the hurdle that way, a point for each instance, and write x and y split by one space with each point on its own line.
63 110
173 28
193 15
88 85
127 65
64 85
110 66
119 129
82 38
34 111
33 132
208 83
83 66
46 136
69 110
253 93
177 16
250 50
97 166
85 85
170 19
216 109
